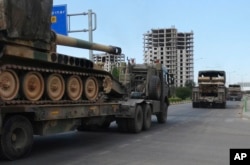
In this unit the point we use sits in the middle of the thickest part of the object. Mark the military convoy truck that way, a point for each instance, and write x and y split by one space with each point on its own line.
211 90
234 92
45 92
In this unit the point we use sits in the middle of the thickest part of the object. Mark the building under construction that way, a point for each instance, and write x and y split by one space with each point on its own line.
109 61
173 49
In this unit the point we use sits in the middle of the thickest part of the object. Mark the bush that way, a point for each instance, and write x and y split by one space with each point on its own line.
183 92
174 99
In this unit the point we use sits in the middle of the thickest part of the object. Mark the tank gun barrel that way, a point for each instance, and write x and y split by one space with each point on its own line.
73 42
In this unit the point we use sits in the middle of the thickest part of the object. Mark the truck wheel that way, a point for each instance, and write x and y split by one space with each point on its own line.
17 138
135 124
147 117
154 88
162 116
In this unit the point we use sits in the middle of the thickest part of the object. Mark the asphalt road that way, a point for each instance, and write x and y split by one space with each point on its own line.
190 137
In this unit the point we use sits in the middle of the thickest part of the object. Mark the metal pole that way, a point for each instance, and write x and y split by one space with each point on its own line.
90 33
90 27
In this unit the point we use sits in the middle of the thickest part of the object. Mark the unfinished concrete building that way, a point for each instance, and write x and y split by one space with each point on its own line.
173 49
109 60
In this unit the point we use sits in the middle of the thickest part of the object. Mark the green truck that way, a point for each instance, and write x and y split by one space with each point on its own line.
45 92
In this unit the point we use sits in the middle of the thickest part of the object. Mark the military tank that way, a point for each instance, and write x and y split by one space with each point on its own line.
31 69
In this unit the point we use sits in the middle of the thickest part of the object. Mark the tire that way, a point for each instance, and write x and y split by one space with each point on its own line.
162 116
147 117
135 124
16 138
154 88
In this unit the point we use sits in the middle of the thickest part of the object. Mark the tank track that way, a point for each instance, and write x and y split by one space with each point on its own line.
21 100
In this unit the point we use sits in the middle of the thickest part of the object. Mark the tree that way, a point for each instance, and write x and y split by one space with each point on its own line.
115 72
189 84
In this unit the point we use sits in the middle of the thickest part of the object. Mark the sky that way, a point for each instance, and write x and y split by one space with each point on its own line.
221 29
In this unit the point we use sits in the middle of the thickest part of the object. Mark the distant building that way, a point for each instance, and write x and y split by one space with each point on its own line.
109 60
173 49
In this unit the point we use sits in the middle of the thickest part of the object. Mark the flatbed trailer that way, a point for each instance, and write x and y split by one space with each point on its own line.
44 92
19 123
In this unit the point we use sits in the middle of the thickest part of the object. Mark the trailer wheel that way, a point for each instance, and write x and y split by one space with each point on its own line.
147 117
162 116
154 88
135 124
17 138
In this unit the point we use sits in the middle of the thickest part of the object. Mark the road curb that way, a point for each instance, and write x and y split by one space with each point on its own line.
180 102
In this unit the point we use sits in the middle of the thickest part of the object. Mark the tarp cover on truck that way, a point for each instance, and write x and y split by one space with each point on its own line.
26 19
213 73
